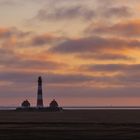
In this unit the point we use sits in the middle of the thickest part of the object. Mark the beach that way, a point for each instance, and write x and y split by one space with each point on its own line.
70 124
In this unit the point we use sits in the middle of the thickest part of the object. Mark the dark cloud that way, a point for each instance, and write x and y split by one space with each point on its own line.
9 32
17 62
82 10
114 9
121 11
94 44
130 77
68 78
126 29
104 56
44 39
38 64
10 59
29 81
6 55
17 77
51 78
86 92
66 13
111 67
30 90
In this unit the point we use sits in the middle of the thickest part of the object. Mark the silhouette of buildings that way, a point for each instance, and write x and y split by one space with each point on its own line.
25 104
53 106
39 93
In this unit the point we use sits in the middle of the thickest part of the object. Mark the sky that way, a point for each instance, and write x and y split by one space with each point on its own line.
87 52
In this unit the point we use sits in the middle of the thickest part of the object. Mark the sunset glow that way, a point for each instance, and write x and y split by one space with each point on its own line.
87 51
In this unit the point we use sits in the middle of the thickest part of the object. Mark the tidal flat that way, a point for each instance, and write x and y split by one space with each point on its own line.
70 125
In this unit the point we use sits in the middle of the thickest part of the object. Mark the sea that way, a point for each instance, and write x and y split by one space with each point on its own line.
84 107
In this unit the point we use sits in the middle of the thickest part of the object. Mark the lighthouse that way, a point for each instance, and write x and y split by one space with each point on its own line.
39 93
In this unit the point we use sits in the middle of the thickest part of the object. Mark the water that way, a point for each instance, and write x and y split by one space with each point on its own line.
85 107
104 108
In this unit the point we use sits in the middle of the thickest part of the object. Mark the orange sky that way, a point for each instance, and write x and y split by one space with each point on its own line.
88 52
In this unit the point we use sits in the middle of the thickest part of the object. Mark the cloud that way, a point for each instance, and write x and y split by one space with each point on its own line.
55 79
9 58
44 39
127 86
51 78
17 62
16 37
120 80
121 11
68 78
65 13
111 67
13 31
128 28
17 77
58 81
94 44
130 77
115 9
71 10
85 92
103 56
8 2
7 55
38 64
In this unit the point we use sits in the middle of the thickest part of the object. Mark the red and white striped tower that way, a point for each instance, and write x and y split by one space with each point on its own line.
39 93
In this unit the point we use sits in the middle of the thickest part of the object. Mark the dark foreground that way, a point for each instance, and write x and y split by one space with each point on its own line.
71 125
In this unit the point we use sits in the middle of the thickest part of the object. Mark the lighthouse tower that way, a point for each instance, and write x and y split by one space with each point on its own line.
39 93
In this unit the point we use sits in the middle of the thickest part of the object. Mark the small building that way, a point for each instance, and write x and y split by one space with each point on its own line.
53 104
25 104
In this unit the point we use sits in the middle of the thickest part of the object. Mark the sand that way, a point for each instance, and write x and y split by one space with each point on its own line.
70 124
